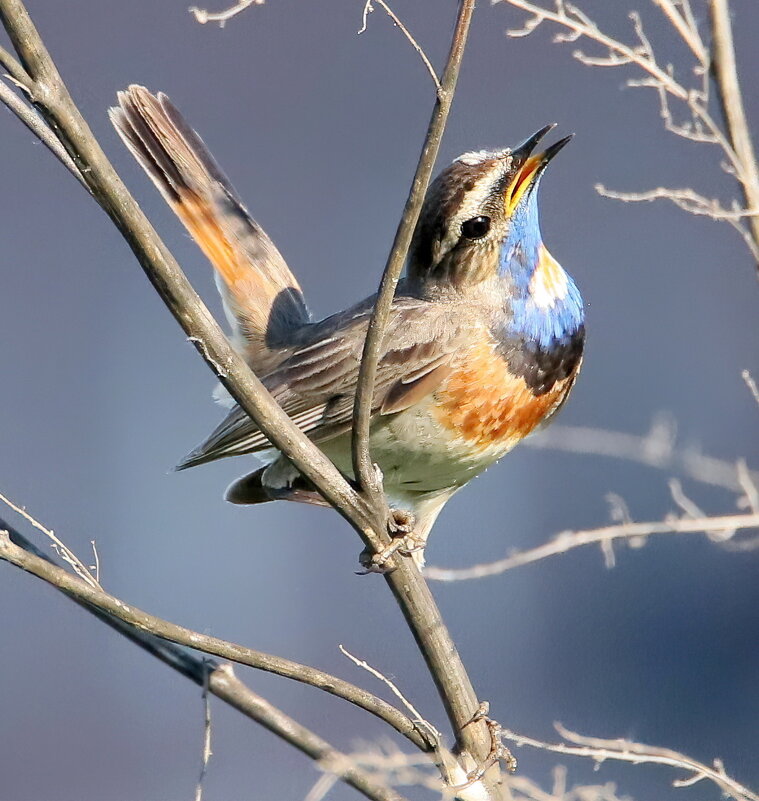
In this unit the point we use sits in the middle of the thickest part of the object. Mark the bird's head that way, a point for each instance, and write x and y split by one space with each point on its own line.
480 218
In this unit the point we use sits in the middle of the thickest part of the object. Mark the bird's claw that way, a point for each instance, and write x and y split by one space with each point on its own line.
498 751
400 526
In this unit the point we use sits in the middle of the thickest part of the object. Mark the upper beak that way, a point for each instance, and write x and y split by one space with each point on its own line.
529 167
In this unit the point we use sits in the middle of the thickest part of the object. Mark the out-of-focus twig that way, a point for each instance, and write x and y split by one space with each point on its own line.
699 125
633 533
658 448
600 750
222 17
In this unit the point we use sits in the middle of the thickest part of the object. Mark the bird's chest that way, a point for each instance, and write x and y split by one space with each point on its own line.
501 392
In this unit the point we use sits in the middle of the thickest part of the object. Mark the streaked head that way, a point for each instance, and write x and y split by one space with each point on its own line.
478 209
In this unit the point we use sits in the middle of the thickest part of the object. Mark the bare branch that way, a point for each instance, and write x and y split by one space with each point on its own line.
634 533
220 681
82 591
599 750
687 199
202 16
404 30
731 100
15 71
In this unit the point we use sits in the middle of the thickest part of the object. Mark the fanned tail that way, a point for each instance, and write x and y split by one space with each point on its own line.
262 298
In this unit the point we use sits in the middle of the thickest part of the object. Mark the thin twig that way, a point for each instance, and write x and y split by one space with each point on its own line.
79 589
207 752
731 100
416 716
621 750
569 540
362 412
405 31
39 128
202 16
223 684
63 550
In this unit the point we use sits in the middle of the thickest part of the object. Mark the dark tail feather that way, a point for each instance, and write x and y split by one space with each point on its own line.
249 489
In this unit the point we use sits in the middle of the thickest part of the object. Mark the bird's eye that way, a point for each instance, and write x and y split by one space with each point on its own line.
475 228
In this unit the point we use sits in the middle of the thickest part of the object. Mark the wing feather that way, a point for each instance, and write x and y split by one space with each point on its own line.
316 385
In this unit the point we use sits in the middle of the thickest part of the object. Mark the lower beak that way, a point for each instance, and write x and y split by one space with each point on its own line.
531 167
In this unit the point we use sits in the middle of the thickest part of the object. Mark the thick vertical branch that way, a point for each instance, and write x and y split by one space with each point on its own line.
731 99
362 411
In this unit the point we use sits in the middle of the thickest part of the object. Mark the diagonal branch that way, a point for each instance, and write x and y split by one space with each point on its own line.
95 598
221 681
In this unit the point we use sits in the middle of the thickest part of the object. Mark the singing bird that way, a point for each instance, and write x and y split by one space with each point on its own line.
484 342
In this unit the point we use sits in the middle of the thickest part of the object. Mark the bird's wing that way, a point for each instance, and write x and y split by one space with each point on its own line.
261 296
316 385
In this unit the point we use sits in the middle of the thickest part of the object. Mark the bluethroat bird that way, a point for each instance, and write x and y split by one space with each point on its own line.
484 343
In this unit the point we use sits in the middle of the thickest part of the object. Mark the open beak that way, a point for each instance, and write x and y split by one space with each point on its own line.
528 167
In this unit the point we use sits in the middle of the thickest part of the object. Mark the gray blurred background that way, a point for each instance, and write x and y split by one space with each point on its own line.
320 130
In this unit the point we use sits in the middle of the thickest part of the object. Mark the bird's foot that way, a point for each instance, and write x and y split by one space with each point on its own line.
498 751
400 526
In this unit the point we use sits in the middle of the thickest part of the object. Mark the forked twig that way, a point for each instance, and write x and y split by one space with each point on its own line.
701 126
405 31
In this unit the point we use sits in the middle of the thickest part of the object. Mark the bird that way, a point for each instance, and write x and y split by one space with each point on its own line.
484 343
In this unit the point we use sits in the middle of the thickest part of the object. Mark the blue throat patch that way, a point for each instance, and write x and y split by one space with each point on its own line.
518 260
